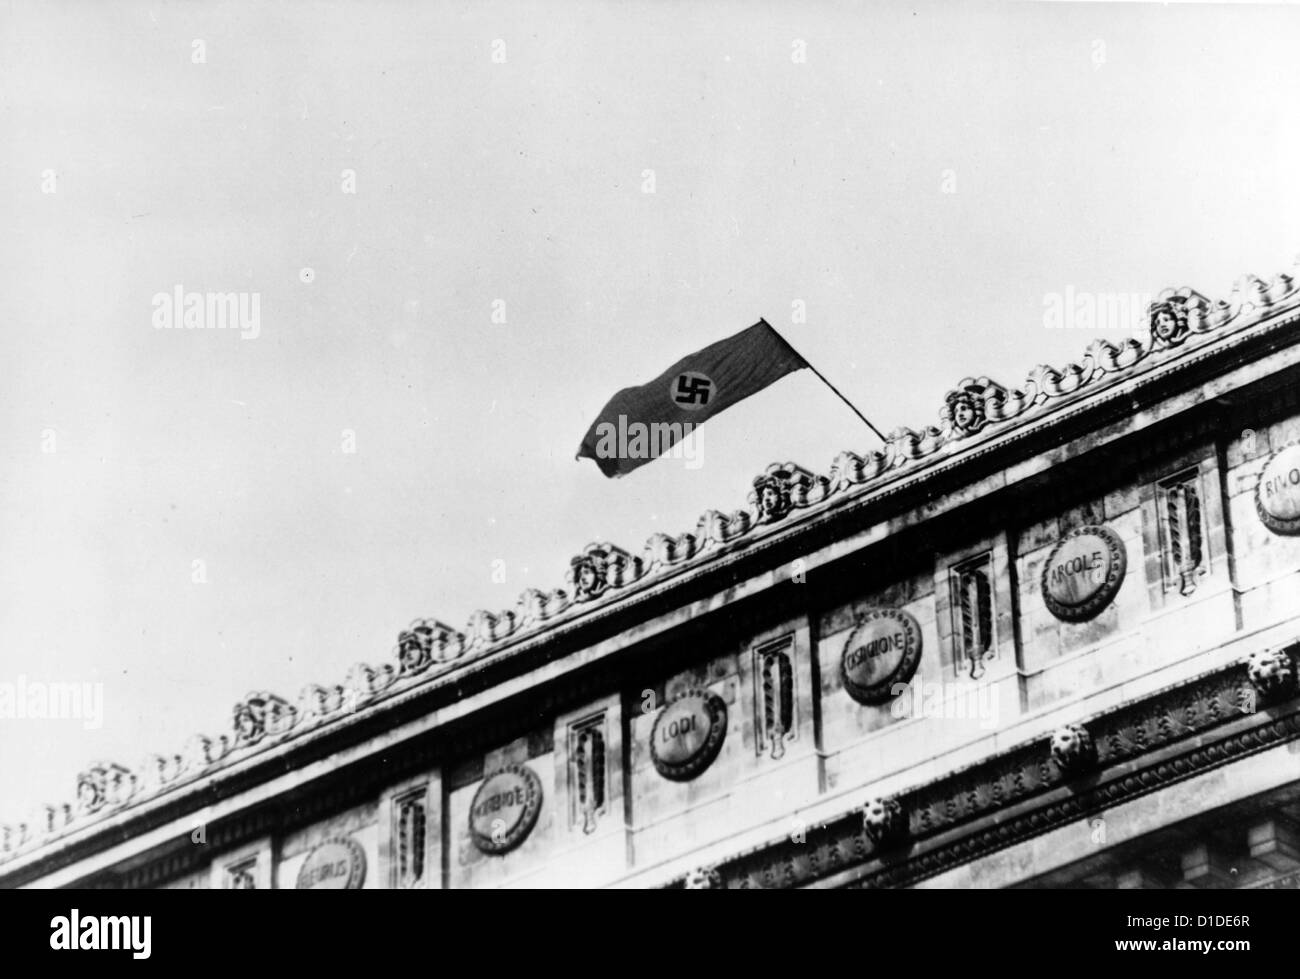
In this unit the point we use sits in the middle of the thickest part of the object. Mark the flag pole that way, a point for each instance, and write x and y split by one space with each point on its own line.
823 379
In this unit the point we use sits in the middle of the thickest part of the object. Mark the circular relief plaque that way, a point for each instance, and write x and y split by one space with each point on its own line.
337 864
882 651
1083 573
1277 495
505 808
687 735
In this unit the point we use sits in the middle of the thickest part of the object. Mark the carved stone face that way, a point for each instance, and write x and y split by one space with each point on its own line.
770 501
1168 325
963 414
410 650
882 819
1066 741
1271 673
587 579
87 794
701 879
246 723
1071 748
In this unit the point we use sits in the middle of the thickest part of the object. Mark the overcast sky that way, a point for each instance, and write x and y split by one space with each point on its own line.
921 177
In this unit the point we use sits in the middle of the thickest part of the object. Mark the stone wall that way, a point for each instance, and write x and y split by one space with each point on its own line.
799 743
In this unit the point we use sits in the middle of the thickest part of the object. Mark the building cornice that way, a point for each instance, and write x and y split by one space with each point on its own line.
980 420
1116 756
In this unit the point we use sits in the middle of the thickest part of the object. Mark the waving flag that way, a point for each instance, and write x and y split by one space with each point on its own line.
642 423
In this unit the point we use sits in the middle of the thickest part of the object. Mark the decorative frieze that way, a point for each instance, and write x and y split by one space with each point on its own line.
104 784
260 714
1181 323
1185 715
427 642
784 487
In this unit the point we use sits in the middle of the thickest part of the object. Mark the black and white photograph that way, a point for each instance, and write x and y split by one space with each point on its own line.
589 445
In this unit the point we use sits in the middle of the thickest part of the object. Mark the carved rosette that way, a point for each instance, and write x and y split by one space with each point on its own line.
1272 673
260 714
884 822
1072 749
703 879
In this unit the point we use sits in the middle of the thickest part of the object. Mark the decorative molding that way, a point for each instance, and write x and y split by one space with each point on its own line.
261 714
995 796
103 785
1184 326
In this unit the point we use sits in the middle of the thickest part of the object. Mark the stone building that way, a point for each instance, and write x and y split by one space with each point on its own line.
1050 642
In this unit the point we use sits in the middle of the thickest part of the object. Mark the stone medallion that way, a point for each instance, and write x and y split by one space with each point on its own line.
505 808
1277 495
1083 573
688 734
880 653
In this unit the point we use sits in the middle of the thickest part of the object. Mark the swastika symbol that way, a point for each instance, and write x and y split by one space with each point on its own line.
692 391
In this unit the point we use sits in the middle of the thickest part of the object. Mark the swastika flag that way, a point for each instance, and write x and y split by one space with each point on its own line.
642 423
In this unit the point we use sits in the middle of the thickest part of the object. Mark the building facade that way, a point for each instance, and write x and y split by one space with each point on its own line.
1051 641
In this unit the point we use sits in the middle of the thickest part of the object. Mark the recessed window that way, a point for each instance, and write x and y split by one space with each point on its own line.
588 787
242 876
1182 531
972 611
774 674
411 817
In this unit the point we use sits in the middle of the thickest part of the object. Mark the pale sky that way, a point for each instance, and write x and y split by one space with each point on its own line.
922 180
